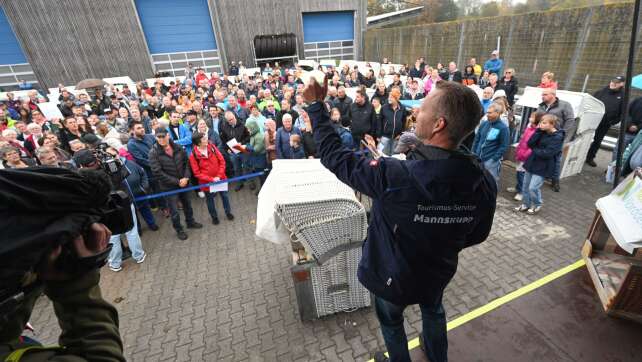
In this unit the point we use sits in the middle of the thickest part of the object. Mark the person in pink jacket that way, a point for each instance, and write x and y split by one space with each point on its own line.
431 81
522 152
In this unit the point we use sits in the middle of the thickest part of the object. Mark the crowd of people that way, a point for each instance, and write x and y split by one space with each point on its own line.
208 128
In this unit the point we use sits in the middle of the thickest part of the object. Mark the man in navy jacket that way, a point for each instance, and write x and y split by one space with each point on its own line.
425 210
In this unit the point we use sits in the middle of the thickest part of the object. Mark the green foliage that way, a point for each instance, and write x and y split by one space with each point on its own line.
448 11
378 7
436 11
490 9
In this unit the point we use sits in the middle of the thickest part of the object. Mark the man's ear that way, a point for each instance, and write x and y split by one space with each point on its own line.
439 126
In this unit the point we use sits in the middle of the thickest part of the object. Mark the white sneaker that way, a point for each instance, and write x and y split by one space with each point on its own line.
534 210
518 197
511 189
201 194
141 260
115 269
521 208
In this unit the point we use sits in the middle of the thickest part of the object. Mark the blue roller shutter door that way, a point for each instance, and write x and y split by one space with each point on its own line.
13 63
329 35
179 32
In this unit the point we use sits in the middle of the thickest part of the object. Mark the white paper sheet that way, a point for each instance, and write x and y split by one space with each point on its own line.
219 187
231 143
50 110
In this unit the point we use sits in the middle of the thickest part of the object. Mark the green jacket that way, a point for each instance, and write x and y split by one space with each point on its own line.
89 324
263 104
257 140
10 122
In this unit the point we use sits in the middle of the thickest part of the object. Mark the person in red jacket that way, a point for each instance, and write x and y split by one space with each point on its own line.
208 165
200 76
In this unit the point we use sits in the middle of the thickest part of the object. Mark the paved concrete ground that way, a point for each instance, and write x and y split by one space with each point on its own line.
223 296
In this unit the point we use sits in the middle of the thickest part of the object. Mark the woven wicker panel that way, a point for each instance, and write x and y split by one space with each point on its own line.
321 214
335 285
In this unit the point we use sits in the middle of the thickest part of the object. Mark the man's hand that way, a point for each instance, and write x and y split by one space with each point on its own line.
183 182
369 140
96 242
216 179
314 92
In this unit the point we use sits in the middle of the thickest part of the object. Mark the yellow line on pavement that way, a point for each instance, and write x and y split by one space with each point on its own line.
505 299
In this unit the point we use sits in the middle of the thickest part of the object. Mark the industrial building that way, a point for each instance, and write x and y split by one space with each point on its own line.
64 41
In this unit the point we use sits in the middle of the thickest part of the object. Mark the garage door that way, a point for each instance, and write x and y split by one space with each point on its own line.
179 32
13 63
328 35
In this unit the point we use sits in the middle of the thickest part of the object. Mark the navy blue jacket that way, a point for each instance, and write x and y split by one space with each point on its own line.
137 182
545 147
139 149
424 211
295 154
393 120
282 141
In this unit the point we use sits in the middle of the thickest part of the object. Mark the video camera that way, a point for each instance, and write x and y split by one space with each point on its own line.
42 208
109 163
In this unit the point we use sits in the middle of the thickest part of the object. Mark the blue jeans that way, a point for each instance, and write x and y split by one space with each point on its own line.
520 181
146 212
387 145
434 336
494 167
211 207
135 244
532 194
628 138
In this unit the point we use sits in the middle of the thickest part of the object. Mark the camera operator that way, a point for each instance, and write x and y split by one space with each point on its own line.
120 181
54 243
425 210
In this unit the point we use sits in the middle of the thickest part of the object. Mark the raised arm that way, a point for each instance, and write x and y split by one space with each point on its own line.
362 174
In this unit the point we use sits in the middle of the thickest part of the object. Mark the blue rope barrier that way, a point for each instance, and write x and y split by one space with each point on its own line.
186 189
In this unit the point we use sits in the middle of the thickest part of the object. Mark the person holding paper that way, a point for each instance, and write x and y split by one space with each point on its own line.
208 165
233 132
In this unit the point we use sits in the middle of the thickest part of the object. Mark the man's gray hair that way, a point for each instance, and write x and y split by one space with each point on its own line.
8 131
